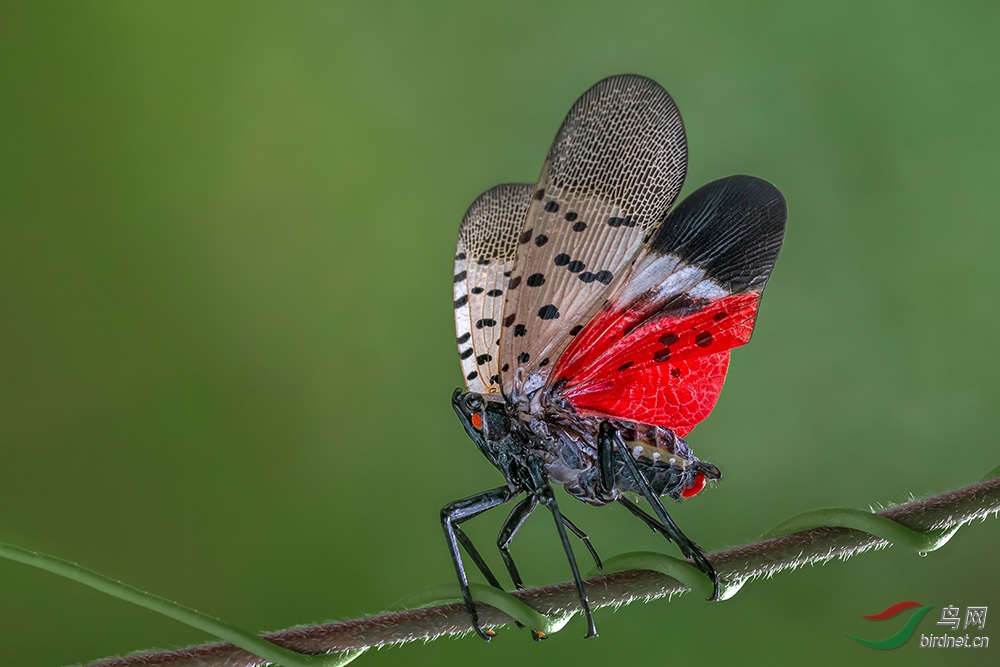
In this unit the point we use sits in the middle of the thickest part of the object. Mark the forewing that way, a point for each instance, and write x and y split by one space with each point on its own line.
658 351
613 171
487 242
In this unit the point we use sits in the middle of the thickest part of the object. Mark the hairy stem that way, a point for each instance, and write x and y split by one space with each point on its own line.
948 510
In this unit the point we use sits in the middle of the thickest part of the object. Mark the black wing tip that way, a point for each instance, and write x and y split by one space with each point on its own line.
732 227
760 191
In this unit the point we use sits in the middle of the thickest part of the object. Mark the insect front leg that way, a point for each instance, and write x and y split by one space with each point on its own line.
455 513
608 438
473 552
543 491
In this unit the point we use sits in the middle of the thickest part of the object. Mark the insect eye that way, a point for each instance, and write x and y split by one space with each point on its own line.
474 402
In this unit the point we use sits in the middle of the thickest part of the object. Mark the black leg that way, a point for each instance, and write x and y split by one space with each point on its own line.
546 497
586 542
515 520
605 461
473 552
609 437
640 513
451 515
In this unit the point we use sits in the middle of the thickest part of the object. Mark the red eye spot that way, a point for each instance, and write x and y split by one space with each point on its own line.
695 487
477 422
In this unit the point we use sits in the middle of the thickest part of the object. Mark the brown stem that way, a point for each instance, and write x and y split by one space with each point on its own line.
766 557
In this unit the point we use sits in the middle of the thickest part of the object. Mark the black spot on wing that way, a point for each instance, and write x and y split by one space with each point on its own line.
603 277
668 339
621 222
548 312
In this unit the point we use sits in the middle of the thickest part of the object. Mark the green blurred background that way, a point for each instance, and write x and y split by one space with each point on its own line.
225 288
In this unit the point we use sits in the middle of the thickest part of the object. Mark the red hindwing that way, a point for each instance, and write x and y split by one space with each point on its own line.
665 369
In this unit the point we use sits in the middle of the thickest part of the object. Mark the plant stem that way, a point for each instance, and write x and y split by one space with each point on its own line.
947 510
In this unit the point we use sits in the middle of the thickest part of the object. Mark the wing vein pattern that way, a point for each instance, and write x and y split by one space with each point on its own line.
613 171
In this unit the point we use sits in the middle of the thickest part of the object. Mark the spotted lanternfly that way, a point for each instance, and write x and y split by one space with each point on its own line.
594 323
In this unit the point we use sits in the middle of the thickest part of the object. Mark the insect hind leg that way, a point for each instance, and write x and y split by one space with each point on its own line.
609 441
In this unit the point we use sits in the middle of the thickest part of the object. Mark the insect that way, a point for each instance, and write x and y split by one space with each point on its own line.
594 323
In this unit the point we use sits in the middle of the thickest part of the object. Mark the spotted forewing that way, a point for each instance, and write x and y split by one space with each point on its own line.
615 167
487 244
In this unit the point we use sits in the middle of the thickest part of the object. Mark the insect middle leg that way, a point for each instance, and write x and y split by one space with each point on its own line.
609 442
515 520
541 488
